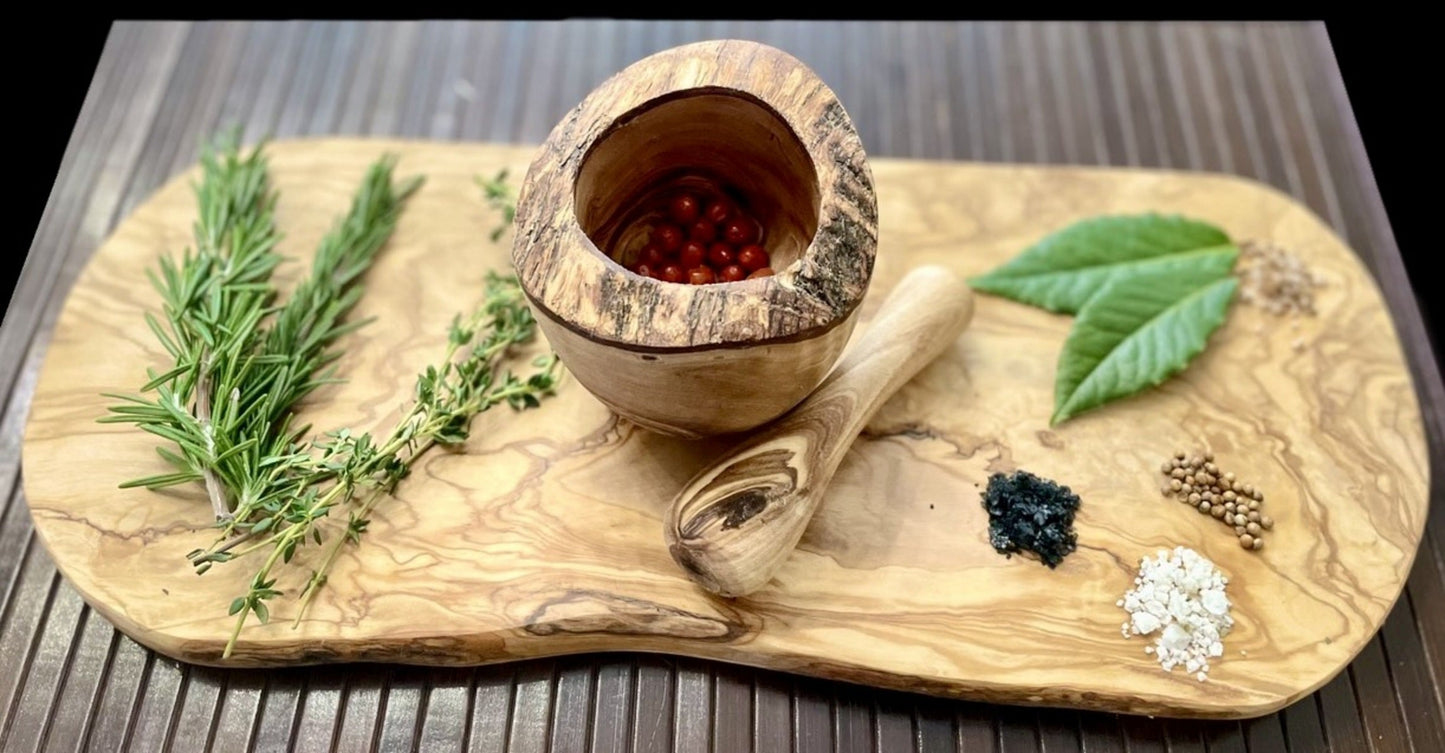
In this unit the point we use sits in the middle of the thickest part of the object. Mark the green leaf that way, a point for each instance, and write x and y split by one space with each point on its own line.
1138 331
1062 271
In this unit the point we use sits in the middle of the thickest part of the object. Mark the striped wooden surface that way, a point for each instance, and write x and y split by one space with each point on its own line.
1262 100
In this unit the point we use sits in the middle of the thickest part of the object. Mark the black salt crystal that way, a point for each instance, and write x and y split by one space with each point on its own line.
1028 513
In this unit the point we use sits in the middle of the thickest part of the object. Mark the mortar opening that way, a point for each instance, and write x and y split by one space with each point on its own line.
706 143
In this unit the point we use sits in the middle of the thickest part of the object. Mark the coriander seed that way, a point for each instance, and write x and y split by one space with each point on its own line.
1246 541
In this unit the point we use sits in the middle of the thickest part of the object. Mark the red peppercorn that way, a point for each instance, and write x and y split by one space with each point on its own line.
693 254
672 273
753 257
721 255
651 255
700 276
667 237
764 272
703 231
719 211
684 209
740 231
732 273
643 270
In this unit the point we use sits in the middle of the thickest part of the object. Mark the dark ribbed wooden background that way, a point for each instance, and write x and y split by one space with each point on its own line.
1262 100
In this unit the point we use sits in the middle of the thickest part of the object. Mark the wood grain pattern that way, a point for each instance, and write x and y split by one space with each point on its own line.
542 537
738 519
755 123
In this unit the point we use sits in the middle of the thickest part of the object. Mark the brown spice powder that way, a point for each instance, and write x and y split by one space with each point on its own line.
1276 280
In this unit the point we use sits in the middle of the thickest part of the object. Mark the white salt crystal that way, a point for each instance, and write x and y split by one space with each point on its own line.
1175 636
1214 600
1145 623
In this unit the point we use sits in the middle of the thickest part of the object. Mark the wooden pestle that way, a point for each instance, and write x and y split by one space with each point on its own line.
732 526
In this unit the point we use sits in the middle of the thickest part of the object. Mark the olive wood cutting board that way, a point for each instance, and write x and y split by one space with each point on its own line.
544 535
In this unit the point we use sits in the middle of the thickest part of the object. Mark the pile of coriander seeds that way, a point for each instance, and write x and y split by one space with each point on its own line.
1196 481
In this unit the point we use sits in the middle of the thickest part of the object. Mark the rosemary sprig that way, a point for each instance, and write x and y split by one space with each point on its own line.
213 301
304 329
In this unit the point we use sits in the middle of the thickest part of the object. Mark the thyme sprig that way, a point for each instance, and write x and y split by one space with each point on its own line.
502 197
242 364
446 400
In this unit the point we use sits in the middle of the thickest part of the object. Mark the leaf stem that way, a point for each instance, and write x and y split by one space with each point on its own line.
214 491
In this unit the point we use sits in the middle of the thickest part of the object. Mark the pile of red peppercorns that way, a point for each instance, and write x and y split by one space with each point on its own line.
704 241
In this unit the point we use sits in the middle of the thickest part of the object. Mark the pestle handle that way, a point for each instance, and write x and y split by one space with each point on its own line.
732 526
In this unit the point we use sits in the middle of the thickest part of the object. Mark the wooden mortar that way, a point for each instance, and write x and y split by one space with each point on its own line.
708 359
